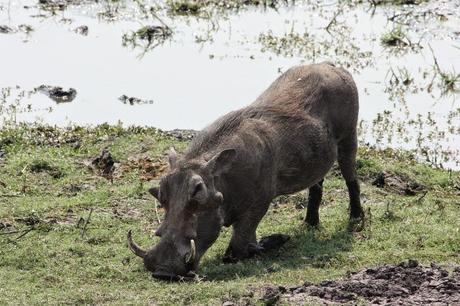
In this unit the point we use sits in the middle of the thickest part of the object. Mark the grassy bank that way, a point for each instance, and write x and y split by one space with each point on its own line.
63 222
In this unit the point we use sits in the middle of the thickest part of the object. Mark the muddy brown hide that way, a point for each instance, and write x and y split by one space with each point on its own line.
286 141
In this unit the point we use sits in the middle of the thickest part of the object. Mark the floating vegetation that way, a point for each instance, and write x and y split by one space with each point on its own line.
395 2
12 104
395 38
398 40
429 136
195 7
448 80
185 7
147 37
309 47
25 28
133 100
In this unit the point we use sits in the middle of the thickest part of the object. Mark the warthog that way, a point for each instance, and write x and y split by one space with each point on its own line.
284 142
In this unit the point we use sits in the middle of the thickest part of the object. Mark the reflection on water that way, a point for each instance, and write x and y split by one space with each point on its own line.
200 66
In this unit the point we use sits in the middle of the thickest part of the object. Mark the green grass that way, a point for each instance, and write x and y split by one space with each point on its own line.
396 37
55 264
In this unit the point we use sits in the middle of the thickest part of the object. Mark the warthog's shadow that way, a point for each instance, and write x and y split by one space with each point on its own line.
306 248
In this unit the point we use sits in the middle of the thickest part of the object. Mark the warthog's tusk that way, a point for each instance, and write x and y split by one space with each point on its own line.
190 257
134 247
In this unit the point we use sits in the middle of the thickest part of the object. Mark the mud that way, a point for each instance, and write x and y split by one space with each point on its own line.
407 283
58 94
397 183
148 168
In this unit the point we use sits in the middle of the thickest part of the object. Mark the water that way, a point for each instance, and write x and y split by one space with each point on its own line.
223 60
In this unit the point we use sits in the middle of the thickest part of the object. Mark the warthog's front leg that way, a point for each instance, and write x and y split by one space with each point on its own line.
244 242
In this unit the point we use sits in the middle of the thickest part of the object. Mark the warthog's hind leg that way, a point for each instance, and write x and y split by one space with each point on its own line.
347 162
315 194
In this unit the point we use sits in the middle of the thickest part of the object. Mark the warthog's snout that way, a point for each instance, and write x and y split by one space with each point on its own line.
165 260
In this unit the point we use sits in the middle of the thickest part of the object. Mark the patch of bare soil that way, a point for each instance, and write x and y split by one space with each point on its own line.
397 183
408 283
149 169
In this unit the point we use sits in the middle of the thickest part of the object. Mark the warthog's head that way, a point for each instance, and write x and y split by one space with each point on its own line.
192 215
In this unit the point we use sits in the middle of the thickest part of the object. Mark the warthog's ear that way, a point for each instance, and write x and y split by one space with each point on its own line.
173 157
221 162
155 191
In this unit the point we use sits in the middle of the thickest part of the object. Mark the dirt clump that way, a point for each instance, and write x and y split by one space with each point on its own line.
407 283
149 169
397 183
104 164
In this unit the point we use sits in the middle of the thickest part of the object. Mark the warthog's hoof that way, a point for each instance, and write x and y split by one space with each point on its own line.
273 242
265 244
357 224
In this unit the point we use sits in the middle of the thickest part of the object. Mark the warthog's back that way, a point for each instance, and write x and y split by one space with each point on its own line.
318 94
321 90
287 139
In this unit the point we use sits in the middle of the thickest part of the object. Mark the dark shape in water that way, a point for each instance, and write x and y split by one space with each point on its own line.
4 29
151 33
57 94
82 30
26 28
133 100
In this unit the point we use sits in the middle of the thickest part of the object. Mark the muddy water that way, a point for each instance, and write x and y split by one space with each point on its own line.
221 60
